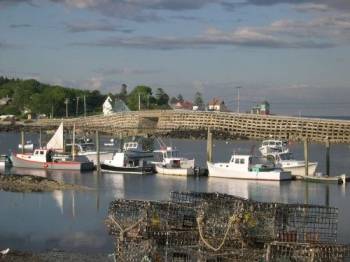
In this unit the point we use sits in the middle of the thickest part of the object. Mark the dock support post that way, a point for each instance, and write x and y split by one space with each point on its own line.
22 141
306 156
40 138
210 146
328 147
327 196
73 143
98 167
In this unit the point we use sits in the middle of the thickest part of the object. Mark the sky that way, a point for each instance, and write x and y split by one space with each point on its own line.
293 53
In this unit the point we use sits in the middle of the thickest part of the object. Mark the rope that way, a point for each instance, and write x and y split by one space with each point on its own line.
123 231
231 221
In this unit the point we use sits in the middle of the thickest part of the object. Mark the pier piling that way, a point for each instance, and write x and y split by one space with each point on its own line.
73 143
328 147
40 138
22 141
98 166
210 146
306 156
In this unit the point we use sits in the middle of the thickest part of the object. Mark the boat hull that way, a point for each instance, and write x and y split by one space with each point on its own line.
174 171
56 165
300 170
128 170
216 170
92 156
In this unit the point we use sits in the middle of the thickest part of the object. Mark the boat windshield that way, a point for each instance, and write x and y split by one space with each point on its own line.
286 156
173 153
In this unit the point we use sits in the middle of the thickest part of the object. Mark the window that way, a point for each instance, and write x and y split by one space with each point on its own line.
242 161
41 152
236 161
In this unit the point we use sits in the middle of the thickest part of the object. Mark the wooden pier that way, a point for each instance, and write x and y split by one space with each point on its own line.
222 124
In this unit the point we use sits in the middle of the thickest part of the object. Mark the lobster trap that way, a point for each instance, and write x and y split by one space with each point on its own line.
220 227
308 252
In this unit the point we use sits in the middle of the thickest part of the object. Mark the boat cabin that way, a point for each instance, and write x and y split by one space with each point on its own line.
132 146
122 160
248 162
167 153
42 155
274 143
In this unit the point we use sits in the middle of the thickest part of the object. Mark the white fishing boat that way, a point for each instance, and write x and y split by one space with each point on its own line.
122 163
167 161
272 146
28 146
287 162
47 158
247 167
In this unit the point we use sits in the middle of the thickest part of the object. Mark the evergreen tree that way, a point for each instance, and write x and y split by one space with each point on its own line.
198 100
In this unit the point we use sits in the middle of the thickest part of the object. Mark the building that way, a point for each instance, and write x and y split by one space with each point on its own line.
184 105
261 109
5 101
119 106
216 104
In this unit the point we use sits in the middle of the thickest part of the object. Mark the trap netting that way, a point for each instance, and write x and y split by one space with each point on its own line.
215 227
274 221
306 252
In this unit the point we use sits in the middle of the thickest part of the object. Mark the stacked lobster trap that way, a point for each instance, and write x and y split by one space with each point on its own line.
215 227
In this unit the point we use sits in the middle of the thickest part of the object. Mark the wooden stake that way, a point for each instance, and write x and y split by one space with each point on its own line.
73 143
306 156
22 141
328 147
210 146
98 167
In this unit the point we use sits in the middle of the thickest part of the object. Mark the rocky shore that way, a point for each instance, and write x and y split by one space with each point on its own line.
28 183
53 256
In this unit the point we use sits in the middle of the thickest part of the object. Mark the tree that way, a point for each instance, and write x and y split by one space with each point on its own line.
144 92
198 100
173 100
180 98
123 92
162 97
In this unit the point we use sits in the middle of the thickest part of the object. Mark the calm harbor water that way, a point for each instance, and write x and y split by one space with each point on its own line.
74 221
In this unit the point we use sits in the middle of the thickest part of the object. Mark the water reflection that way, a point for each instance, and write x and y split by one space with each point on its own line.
74 220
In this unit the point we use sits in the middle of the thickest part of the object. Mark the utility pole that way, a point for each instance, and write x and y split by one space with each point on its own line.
77 106
66 101
238 87
84 106
51 110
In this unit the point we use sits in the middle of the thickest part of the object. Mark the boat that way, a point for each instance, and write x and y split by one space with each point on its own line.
5 162
272 146
247 167
297 167
135 149
29 146
110 143
52 156
88 149
167 161
122 163
46 159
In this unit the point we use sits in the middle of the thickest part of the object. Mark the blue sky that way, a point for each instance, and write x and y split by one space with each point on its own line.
293 53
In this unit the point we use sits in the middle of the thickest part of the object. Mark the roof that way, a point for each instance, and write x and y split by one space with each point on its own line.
184 105
215 101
